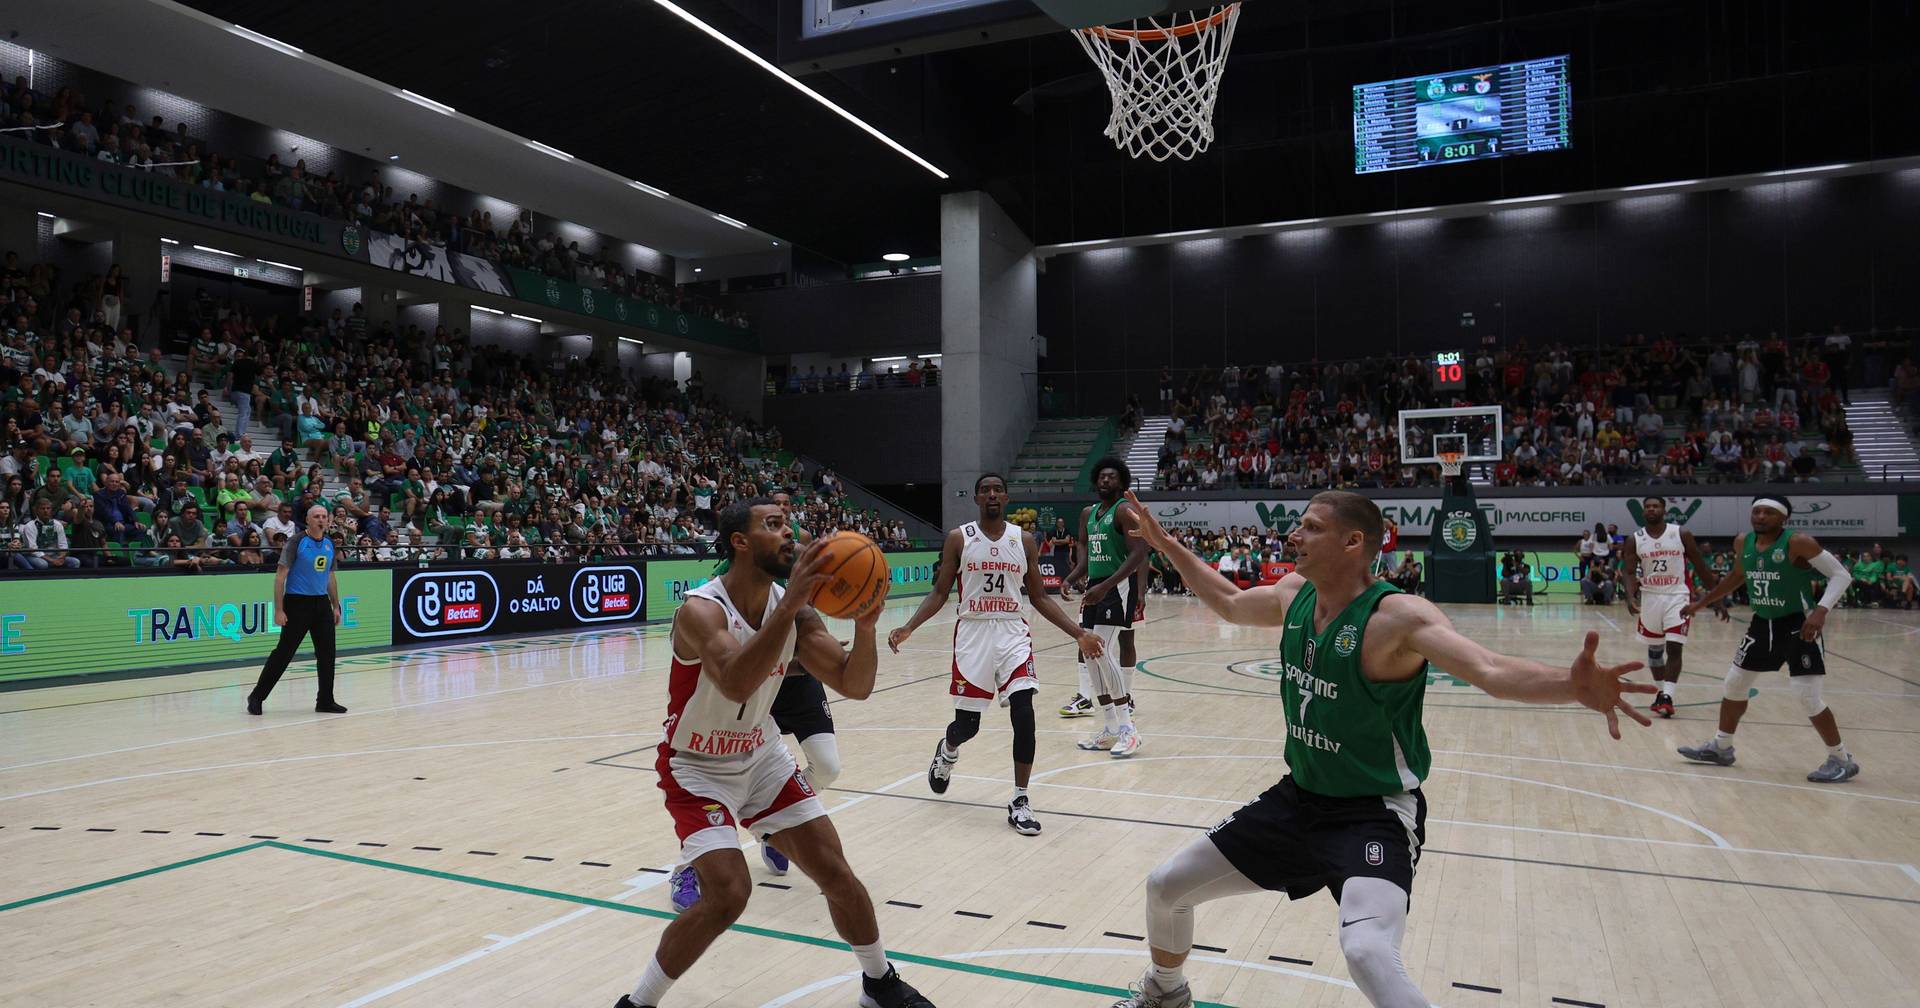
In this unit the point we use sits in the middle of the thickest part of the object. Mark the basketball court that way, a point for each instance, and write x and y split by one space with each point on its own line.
484 828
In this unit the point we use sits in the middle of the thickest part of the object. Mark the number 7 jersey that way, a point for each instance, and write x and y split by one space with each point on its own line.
992 573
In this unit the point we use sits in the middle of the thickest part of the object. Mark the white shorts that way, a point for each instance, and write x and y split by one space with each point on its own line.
708 797
992 658
1660 618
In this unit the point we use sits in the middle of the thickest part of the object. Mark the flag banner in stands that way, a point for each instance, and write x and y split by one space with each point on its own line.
435 261
556 293
1836 515
431 604
59 626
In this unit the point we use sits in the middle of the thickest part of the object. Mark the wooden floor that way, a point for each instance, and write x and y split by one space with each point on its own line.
484 829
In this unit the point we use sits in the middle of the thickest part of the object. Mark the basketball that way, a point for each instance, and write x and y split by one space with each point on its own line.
857 572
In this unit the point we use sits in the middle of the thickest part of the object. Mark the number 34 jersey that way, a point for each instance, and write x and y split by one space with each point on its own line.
992 573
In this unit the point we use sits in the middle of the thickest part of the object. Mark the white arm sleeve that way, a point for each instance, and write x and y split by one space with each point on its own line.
1837 578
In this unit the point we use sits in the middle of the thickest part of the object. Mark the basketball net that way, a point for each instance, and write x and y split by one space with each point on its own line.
1164 79
1450 463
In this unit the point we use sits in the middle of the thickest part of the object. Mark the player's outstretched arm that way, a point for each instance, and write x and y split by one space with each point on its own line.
1262 606
1090 644
1426 631
942 585
847 671
1727 584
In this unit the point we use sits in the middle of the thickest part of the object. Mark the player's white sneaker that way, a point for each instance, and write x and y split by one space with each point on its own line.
940 771
1079 706
1125 744
1145 995
1020 817
1102 740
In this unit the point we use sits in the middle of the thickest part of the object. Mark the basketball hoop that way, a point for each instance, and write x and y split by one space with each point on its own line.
1450 463
1164 79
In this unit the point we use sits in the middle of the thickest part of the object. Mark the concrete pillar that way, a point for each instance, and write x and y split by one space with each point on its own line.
988 337
20 232
138 251
455 313
383 308
733 380
606 350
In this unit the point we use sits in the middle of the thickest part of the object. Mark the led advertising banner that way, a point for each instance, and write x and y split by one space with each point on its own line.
434 605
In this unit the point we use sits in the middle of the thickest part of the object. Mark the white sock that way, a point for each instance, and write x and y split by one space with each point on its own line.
653 985
1019 793
1839 751
1671 689
1123 714
1109 717
1722 740
948 752
1166 978
873 959
1086 682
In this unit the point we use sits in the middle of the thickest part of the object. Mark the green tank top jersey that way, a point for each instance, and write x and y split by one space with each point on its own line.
1775 585
1105 551
1348 737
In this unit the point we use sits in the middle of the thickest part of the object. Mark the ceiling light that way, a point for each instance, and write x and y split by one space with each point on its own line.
266 40
649 190
215 251
635 342
269 262
528 318
929 356
393 157
696 269
1658 185
544 149
1524 199
45 214
170 241
425 102
887 360
896 257
724 219
490 311
794 83
1803 171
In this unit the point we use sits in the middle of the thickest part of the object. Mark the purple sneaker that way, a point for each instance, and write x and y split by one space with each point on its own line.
776 862
686 888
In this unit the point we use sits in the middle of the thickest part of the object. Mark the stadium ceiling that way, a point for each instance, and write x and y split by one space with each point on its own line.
1662 90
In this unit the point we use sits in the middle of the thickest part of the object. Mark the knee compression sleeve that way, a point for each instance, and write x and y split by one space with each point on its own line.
1108 679
1739 682
1020 712
966 724
823 759
1195 874
1373 917
1656 656
1807 688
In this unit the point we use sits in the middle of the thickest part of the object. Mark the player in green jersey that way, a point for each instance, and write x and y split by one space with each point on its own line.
1778 566
1112 562
1350 817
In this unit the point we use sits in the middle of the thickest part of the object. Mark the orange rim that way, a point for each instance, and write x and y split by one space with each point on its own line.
1160 34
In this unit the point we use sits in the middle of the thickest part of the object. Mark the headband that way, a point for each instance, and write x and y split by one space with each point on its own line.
1780 506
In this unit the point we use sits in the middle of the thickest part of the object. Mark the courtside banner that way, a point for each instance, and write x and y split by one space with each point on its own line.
432 604
59 626
669 581
1838 515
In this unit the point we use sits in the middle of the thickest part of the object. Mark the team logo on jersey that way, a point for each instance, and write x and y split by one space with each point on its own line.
1459 530
993 550
1779 555
715 814
1376 854
1346 640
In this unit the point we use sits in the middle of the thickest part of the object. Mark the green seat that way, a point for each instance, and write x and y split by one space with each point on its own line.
199 494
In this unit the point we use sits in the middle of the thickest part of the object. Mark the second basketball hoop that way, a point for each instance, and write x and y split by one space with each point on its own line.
1164 75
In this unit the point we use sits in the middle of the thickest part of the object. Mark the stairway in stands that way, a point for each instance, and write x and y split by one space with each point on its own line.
1054 454
1881 438
1142 451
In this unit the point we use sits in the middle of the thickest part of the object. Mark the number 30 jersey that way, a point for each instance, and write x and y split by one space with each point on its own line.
992 573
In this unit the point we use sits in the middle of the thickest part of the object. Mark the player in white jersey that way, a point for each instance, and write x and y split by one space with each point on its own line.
992 645
1656 558
723 763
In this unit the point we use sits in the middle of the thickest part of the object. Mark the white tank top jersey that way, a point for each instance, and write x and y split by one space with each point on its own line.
701 721
1663 561
992 573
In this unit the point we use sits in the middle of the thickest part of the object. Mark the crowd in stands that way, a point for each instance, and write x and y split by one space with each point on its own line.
1644 412
918 374
419 445
117 134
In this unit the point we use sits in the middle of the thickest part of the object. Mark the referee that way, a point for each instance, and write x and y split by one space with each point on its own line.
306 599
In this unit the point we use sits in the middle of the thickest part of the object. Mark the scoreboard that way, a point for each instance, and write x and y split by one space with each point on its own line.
1463 115
1450 371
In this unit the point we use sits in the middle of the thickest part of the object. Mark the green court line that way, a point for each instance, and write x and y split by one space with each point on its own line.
103 883
626 908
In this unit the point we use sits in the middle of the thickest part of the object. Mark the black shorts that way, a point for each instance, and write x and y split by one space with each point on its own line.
1771 643
1114 609
800 708
1297 842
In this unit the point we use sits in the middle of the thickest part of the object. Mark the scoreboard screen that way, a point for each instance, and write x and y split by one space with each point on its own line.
1464 115
1450 371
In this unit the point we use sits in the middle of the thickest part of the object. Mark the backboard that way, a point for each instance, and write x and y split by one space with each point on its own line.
817 35
1475 431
